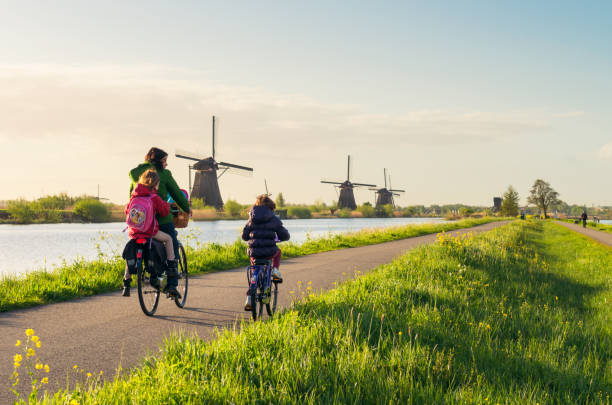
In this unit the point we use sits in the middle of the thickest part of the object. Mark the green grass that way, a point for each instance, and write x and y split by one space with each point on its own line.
86 278
520 315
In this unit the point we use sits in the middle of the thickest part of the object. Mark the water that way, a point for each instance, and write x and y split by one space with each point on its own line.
26 248
606 221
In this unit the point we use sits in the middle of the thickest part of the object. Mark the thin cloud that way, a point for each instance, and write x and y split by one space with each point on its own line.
605 152
113 102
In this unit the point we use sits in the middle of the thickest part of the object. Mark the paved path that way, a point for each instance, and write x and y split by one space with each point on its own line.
106 331
599 236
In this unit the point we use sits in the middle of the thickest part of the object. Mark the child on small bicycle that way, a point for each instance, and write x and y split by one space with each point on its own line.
261 232
147 186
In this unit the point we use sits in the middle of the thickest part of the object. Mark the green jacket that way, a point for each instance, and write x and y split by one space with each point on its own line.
167 185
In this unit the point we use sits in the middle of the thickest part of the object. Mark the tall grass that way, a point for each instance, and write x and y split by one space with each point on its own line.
520 315
84 278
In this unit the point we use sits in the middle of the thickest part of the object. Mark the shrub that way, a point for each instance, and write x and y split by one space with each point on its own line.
465 211
366 210
91 210
198 203
299 212
21 211
55 202
384 211
232 208
344 213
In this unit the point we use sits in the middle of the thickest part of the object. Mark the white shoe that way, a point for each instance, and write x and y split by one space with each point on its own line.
276 274
247 304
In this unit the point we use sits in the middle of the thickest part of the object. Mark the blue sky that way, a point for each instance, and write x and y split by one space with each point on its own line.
457 100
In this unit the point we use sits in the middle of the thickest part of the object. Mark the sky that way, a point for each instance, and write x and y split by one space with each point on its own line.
457 100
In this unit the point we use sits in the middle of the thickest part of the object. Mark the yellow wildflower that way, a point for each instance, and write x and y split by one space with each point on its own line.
31 352
29 332
45 380
88 374
34 338
74 402
39 366
46 368
16 364
75 366
18 343
17 358
38 344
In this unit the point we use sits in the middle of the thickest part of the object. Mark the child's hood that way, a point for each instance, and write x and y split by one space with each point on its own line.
261 214
141 191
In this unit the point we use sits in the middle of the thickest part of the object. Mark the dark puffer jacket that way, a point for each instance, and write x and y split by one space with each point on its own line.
261 232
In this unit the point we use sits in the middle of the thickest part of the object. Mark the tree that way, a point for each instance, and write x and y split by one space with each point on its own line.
280 200
543 196
91 210
232 208
510 203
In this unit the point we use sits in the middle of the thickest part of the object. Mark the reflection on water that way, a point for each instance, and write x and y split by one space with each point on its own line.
31 247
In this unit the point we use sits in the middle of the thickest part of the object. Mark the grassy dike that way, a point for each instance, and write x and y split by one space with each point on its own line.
520 315
86 278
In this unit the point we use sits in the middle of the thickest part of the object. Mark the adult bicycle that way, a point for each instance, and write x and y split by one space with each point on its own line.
263 289
152 277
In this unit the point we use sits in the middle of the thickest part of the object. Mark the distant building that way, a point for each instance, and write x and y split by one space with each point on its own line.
497 201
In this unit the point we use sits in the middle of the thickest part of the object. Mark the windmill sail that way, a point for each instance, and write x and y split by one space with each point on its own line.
208 170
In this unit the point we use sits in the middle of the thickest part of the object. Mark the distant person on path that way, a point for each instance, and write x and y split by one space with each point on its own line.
157 160
584 218
261 232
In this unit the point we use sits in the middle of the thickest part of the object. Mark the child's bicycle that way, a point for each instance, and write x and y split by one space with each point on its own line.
152 277
263 290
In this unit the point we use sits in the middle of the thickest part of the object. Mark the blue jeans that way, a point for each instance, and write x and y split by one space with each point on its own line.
170 230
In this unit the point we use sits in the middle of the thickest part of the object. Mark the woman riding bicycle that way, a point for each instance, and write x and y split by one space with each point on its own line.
262 231
157 159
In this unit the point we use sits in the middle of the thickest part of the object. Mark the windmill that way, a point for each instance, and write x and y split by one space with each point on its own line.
347 198
385 195
207 173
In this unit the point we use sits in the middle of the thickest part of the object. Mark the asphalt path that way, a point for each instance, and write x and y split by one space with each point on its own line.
108 331
599 236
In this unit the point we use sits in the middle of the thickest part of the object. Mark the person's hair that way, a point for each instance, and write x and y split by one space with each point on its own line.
155 156
150 178
265 201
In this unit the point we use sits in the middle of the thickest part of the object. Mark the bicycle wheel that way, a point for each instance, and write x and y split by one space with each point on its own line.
148 296
271 307
253 294
183 281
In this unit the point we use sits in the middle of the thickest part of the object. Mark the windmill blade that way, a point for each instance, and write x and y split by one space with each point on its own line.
215 134
397 194
230 170
374 189
399 191
183 154
266 184
364 185
330 182
233 166
349 168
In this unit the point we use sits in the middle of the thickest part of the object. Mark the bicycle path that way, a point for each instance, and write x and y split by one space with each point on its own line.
599 236
104 332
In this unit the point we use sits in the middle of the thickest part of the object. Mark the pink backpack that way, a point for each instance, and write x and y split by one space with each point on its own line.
141 215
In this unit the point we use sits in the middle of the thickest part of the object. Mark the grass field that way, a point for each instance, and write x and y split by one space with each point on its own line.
84 278
520 315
